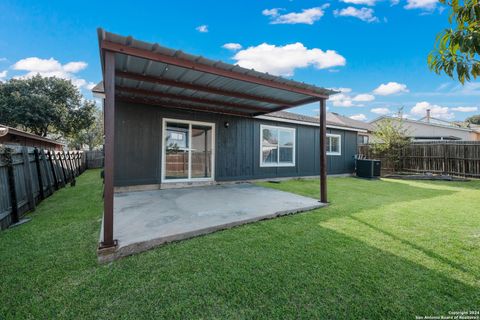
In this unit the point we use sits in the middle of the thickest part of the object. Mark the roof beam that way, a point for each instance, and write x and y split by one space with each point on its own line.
191 99
181 106
196 87
184 63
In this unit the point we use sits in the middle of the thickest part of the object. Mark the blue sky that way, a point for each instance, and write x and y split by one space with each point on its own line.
374 50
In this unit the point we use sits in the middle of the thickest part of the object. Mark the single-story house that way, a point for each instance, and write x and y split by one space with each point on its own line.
432 129
17 137
174 119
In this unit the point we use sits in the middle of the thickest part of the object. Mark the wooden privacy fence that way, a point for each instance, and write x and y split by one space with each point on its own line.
456 158
94 159
29 175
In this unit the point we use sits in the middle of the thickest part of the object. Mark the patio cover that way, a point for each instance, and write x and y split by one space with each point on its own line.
149 73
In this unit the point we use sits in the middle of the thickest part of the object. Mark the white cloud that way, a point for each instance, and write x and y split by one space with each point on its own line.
364 14
232 46
203 28
3 75
307 16
465 109
359 117
74 67
381 111
272 12
283 60
344 90
428 5
52 68
386 89
364 97
342 100
394 2
361 2
436 111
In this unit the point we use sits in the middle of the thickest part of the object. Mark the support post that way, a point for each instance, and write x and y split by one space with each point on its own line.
323 151
109 125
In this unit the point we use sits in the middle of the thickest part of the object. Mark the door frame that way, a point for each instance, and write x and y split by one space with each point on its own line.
163 146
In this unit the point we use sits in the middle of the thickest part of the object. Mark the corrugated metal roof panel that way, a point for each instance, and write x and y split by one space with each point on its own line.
230 88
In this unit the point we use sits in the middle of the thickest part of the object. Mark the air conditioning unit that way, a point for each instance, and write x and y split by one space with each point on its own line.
368 168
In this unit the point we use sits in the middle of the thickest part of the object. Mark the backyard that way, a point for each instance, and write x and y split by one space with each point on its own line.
382 249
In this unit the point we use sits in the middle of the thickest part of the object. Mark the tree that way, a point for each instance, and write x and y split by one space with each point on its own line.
457 49
390 137
474 119
44 105
91 136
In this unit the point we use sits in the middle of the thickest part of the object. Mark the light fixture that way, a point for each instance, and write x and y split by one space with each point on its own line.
226 124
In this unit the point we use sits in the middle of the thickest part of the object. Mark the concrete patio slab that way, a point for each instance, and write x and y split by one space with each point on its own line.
145 219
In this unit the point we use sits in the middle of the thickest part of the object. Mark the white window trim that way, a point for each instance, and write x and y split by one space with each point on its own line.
190 123
278 164
339 153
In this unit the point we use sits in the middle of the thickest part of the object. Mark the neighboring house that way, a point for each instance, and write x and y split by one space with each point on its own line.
433 129
16 137
363 137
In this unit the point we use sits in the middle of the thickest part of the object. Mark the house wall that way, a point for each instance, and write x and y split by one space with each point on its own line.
138 146
16 140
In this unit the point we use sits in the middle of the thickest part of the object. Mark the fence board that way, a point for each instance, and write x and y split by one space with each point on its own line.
26 178
455 158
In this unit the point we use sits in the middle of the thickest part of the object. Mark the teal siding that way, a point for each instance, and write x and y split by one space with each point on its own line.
138 130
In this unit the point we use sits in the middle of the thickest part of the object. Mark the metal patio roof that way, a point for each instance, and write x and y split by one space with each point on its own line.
152 74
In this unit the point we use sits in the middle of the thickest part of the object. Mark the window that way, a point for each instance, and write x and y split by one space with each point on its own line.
334 144
362 139
277 146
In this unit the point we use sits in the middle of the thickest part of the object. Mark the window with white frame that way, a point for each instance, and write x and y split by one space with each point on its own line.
277 146
334 144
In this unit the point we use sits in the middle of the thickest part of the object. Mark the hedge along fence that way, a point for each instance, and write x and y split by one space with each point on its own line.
456 158
29 175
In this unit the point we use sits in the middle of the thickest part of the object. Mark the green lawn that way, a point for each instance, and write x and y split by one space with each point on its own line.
382 249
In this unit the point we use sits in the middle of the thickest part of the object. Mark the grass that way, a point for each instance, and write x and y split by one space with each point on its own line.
383 249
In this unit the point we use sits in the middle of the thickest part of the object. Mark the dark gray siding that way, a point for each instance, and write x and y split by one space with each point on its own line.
138 130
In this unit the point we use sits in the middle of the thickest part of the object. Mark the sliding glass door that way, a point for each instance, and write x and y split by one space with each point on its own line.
188 150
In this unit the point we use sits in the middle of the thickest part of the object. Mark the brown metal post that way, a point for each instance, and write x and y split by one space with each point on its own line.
109 124
323 151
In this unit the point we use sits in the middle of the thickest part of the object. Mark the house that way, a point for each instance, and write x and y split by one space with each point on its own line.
16 137
365 129
432 129
174 119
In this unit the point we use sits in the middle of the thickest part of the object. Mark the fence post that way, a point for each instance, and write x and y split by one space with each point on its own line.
52 167
11 185
28 178
39 174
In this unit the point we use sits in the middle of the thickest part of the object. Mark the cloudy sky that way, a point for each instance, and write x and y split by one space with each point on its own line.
373 51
